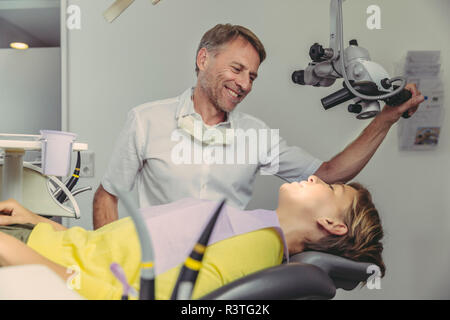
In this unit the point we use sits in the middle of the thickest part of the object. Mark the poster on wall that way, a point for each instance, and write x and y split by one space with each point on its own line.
423 130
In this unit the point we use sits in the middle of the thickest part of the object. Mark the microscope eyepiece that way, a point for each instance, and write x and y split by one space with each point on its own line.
298 77
354 108
345 94
336 98
316 52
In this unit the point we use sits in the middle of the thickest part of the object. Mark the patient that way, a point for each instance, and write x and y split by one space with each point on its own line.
339 219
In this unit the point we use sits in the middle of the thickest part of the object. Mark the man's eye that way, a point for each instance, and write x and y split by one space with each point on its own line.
331 187
235 69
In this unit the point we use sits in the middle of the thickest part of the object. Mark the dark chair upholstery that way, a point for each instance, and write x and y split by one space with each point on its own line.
309 275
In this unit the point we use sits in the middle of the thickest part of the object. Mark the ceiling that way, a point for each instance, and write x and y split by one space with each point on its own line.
35 21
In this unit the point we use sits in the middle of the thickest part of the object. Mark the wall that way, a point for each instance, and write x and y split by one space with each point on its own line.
148 54
30 90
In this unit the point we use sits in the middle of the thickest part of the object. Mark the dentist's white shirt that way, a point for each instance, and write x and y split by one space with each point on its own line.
164 151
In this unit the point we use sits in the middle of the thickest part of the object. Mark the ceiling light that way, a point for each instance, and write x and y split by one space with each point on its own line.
19 45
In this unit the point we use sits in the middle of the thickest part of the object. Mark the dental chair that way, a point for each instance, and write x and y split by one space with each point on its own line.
309 275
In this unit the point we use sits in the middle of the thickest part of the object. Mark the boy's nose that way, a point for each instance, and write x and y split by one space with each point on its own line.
313 179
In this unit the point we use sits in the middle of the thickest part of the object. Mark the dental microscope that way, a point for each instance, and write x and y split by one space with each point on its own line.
365 81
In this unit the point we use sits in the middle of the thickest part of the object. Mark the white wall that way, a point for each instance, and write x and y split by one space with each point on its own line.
30 90
148 54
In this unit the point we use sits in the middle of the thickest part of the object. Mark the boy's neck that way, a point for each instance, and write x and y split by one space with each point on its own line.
292 232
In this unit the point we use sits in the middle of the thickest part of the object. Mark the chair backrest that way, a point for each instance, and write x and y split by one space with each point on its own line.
309 275
345 273
282 282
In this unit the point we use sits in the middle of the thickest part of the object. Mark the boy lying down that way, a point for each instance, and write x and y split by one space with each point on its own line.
340 219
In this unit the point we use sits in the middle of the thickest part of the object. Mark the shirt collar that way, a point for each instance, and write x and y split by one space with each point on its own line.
186 108
186 105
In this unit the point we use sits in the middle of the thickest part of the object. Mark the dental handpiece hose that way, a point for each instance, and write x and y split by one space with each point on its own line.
72 181
147 285
189 271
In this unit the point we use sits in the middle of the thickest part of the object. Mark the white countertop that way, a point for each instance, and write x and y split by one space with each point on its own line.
29 143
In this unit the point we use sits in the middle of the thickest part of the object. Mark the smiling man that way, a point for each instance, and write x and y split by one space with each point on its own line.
227 63
226 69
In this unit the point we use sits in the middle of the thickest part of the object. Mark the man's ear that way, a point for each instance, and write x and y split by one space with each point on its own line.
202 59
332 226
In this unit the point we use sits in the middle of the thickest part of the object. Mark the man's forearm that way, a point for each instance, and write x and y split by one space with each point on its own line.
105 208
348 163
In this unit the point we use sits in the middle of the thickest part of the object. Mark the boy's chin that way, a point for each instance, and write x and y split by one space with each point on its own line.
284 186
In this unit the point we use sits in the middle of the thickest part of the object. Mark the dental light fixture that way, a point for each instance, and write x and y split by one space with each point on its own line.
118 7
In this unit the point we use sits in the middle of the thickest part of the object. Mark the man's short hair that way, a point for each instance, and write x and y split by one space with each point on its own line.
221 34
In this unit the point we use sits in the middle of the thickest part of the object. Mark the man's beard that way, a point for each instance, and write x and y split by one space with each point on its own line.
208 83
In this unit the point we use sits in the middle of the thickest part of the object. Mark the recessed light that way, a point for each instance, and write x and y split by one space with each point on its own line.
19 45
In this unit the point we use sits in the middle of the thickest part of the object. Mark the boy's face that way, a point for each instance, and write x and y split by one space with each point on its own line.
314 202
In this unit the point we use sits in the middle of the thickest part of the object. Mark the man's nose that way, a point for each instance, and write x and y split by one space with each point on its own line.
244 83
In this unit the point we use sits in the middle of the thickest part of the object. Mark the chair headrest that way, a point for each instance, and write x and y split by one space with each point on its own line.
345 273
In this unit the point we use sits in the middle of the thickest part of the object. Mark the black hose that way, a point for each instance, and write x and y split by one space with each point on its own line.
61 197
192 264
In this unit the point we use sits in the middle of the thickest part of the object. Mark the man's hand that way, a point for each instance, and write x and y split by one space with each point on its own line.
391 115
11 212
